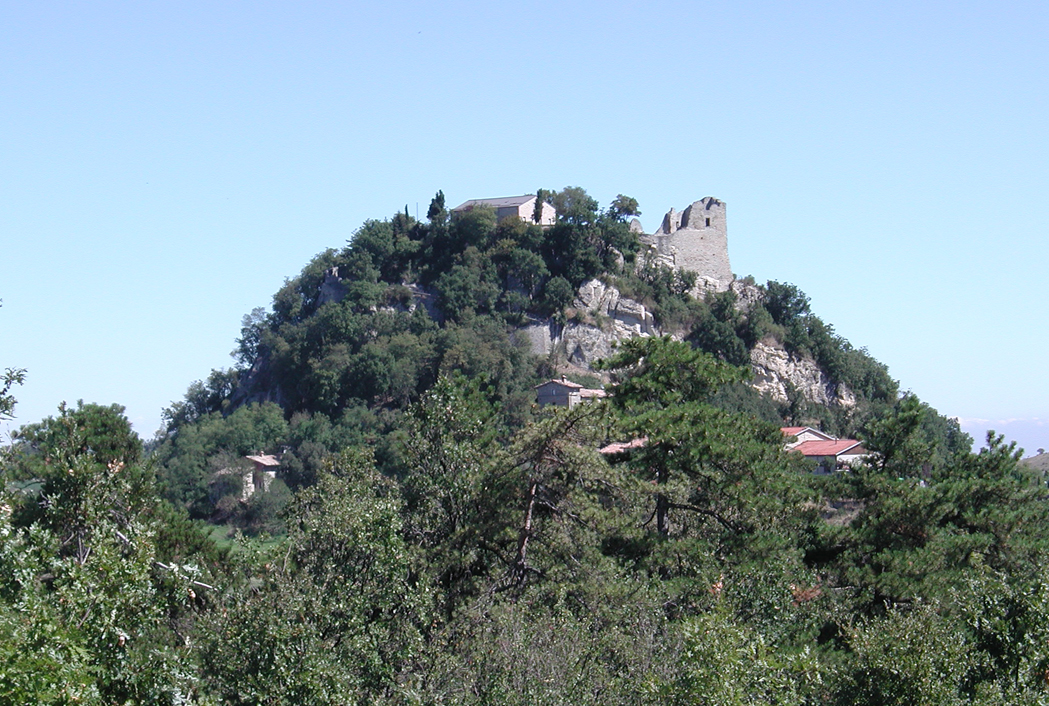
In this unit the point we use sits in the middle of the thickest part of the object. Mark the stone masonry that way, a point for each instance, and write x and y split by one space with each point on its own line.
696 239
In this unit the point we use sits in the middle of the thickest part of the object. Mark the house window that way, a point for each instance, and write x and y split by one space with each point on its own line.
708 223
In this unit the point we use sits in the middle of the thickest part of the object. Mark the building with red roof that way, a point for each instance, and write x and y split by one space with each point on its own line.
803 434
258 478
829 452
619 447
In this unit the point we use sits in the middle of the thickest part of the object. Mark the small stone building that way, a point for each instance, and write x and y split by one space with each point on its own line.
564 393
260 475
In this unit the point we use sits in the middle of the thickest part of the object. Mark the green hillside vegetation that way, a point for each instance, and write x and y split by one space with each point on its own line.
363 332
435 538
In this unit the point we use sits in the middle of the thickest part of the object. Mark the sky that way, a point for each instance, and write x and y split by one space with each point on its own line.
165 166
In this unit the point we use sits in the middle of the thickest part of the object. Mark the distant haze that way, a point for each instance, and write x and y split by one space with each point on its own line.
1029 434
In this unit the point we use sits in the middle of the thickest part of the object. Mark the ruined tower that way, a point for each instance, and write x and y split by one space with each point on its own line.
696 239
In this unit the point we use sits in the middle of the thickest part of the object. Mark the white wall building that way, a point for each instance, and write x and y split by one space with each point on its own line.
521 206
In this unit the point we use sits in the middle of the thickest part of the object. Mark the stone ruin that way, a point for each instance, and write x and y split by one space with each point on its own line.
695 239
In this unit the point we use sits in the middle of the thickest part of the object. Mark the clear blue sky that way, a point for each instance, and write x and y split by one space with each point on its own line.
165 166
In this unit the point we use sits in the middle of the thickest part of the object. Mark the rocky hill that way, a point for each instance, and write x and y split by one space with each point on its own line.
428 535
364 331
601 317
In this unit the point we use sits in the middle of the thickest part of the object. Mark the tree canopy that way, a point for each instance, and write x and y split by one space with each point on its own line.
432 536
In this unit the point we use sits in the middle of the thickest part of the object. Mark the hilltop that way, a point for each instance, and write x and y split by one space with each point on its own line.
509 292
402 522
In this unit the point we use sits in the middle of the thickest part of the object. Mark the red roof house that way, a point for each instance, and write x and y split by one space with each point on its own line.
803 434
829 452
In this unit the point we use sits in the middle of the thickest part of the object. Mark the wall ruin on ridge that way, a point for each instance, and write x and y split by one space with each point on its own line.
695 239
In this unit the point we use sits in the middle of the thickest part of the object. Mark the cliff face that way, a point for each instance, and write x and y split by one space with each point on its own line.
603 317
302 365
776 371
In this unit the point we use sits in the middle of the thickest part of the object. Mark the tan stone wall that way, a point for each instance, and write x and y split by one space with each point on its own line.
696 239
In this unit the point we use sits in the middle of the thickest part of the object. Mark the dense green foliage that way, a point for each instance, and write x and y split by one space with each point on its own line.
94 604
356 326
780 313
703 566
435 538
364 331
10 378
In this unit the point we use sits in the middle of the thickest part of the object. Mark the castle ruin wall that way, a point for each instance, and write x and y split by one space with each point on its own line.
696 239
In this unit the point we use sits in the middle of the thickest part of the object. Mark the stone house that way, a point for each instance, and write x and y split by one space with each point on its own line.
259 476
564 393
521 206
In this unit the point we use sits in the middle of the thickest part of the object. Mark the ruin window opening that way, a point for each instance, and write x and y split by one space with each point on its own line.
708 223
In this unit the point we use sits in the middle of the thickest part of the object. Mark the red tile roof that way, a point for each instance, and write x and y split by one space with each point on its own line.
621 446
798 431
837 447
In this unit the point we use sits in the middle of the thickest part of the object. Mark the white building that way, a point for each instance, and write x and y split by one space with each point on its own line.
521 206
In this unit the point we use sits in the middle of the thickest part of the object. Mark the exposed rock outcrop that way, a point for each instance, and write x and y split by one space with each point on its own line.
542 336
332 289
603 317
626 316
584 343
747 294
776 370
426 299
